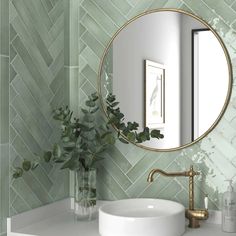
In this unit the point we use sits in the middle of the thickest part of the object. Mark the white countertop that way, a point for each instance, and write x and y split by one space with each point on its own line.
62 223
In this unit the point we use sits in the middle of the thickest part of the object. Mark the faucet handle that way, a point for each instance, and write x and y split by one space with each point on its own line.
206 201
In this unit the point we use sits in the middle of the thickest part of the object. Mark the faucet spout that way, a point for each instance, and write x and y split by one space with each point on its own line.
161 172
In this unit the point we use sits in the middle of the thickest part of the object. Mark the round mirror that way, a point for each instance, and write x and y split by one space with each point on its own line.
170 71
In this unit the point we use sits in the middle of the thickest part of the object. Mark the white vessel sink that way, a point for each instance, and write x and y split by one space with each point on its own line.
142 217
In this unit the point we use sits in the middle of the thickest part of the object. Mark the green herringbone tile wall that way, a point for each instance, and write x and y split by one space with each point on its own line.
123 173
37 85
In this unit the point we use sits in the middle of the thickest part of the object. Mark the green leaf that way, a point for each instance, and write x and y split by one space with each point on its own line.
95 110
131 137
84 111
89 118
47 156
70 164
83 127
90 103
156 134
111 98
56 151
26 165
114 104
69 146
18 172
59 160
65 139
123 140
110 139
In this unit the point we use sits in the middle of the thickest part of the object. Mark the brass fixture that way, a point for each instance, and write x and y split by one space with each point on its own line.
194 215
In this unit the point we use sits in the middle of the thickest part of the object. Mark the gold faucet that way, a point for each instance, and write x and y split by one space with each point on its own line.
194 215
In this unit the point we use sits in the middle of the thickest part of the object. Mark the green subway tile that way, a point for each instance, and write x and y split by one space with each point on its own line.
102 19
134 2
37 94
33 51
20 205
59 78
82 29
96 30
111 10
13 13
22 189
201 9
93 44
184 7
58 27
4 27
38 33
91 58
170 190
110 183
119 159
12 114
12 33
139 8
30 112
82 64
103 192
123 6
222 9
13 93
144 163
129 153
58 97
171 4
90 74
4 99
229 2
12 134
161 3
32 68
37 8
116 173
82 13
82 80
47 4
12 73
58 63
29 140
56 46
56 11
152 190
12 53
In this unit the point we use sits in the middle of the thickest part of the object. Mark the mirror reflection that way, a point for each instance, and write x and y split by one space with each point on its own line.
169 71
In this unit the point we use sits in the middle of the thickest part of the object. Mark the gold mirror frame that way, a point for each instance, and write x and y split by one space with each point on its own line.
229 68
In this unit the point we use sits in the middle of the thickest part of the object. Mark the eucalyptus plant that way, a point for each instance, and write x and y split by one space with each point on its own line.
84 140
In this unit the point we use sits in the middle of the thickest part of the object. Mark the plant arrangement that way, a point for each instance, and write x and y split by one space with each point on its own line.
84 140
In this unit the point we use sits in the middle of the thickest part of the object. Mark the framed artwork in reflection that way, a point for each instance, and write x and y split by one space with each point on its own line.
154 95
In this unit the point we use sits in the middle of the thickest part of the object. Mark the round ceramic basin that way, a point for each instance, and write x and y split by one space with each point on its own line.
142 217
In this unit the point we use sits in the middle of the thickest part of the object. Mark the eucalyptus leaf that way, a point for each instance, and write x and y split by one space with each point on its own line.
47 156
18 172
90 103
56 151
123 140
26 165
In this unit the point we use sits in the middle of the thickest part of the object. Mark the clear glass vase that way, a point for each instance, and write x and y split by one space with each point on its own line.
85 194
